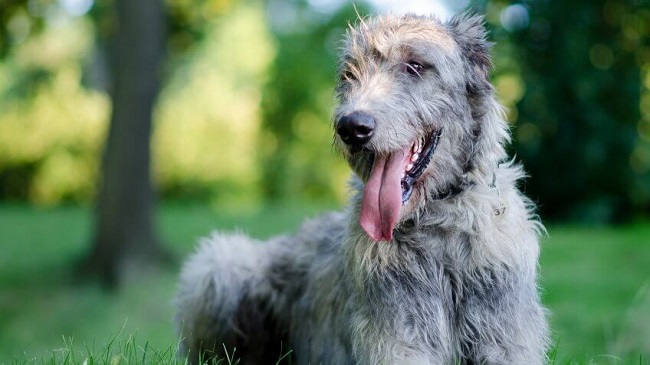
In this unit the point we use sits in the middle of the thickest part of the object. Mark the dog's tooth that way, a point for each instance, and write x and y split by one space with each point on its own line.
414 157
409 166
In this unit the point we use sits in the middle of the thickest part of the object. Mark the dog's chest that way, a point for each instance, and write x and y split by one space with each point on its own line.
432 273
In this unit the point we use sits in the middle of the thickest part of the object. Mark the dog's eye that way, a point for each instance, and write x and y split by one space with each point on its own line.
414 68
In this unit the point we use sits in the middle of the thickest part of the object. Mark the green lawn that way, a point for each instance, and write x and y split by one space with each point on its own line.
596 282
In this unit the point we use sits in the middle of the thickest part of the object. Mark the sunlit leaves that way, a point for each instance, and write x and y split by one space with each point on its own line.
209 115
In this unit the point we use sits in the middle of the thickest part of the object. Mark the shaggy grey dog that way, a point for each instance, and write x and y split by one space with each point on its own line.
435 259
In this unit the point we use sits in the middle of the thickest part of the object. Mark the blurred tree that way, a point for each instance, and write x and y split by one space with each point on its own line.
200 153
130 37
55 54
16 23
577 120
124 225
298 100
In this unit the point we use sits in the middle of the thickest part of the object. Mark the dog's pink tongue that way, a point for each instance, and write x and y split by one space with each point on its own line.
382 196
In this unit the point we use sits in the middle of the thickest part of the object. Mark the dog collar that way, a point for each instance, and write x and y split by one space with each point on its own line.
453 190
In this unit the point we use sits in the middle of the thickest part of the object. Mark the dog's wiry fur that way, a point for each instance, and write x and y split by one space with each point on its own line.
457 282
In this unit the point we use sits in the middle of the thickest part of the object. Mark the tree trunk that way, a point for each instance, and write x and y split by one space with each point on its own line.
124 234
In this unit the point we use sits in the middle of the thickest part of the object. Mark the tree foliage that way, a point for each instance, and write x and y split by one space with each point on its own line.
245 109
211 143
17 22
297 104
579 128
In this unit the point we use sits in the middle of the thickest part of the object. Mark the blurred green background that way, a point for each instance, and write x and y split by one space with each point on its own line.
242 140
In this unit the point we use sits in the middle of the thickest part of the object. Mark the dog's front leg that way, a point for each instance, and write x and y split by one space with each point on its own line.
411 332
503 322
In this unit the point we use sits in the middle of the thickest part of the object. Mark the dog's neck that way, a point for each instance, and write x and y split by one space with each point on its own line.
452 190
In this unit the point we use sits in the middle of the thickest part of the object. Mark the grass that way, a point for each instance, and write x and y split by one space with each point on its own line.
596 283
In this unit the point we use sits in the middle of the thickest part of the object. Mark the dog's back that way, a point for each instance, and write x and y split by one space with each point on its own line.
265 301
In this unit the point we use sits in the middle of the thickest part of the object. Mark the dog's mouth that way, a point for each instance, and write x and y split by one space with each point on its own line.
391 183
421 153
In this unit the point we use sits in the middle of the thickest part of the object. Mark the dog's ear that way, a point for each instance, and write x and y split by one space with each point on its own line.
469 31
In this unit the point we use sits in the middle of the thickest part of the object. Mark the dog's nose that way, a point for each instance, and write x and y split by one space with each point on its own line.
356 128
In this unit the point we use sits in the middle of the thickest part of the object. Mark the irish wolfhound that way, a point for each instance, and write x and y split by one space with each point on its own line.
435 259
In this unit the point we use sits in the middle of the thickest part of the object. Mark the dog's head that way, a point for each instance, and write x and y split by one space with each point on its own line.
417 114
